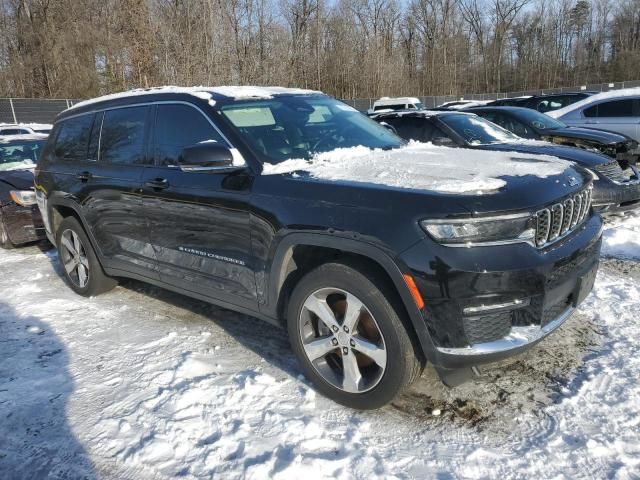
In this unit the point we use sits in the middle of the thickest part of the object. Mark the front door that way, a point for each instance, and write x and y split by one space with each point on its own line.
199 221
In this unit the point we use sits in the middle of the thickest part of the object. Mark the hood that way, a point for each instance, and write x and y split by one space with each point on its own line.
426 176
589 134
581 157
18 179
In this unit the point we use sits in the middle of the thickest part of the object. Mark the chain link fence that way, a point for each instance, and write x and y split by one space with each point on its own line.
364 104
40 110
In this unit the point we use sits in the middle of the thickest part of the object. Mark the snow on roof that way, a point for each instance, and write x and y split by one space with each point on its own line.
205 93
23 137
624 92
395 100
423 166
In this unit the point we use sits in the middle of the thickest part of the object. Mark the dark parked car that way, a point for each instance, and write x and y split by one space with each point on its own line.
543 103
614 191
527 123
210 192
20 220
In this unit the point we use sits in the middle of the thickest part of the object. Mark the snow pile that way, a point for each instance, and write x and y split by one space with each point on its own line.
22 137
424 166
621 238
624 92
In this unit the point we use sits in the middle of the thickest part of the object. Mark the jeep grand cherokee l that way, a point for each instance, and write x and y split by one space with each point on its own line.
293 207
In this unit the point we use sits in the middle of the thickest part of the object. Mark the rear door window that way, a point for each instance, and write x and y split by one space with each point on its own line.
123 136
179 126
614 108
73 138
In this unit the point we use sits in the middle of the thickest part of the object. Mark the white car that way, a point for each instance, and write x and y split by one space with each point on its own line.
7 129
616 111
388 104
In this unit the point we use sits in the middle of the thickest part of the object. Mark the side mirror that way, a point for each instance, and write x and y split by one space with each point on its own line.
206 156
389 127
443 142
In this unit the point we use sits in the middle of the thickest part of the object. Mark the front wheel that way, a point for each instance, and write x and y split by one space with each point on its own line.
349 337
81 266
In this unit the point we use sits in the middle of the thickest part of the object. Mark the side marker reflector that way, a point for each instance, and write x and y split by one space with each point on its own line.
415 293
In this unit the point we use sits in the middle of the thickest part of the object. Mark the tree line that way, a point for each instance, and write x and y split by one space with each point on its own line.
348 48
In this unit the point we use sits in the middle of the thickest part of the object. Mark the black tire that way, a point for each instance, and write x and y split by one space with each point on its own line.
402 363
97 281
5 241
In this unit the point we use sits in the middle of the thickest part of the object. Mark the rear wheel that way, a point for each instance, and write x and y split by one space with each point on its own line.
5 241
81 267
348 334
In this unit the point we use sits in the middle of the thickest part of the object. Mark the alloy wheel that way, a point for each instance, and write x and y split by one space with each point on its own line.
342 340
74 258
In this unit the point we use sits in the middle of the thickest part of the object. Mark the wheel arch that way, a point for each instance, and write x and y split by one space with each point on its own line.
322 248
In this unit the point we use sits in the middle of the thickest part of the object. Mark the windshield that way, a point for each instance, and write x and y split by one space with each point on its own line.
297 127
538 120
476 130
19 154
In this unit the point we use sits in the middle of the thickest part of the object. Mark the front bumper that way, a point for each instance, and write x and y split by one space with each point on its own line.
609 197
24 224
485 304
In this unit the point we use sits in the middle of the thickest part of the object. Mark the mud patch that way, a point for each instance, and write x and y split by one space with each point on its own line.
520 385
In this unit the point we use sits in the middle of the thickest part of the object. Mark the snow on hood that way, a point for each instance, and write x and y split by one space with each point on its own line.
624 92
423 166
205 93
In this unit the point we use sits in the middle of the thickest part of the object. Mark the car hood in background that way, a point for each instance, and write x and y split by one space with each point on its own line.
590 134
581 157
18 179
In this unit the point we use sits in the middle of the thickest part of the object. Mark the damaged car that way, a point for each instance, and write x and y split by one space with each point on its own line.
615 189
20 219
527 123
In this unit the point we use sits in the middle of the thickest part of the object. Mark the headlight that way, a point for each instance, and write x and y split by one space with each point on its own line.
517 228
23 197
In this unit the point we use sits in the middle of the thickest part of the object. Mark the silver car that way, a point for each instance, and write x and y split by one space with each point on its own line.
617 111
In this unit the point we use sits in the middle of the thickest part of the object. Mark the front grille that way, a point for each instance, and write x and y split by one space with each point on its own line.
560 219
612 171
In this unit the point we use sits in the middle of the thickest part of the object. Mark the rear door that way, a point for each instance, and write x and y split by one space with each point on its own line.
199 221
620 115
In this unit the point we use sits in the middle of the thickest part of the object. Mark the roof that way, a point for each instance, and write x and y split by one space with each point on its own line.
611 94
210 94
396 100
420 113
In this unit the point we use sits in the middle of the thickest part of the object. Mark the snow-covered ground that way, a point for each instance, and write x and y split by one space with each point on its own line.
141 383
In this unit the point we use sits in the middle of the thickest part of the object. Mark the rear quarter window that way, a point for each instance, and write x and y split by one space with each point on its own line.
72 138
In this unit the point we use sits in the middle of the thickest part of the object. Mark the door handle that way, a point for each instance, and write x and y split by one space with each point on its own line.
84 176
157 184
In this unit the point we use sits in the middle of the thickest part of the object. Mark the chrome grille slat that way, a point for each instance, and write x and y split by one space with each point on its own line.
559 219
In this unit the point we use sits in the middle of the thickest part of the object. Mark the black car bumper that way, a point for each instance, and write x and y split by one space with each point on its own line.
484 304
23 224
609 197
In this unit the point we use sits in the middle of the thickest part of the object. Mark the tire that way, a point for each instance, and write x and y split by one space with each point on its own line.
83 271
344 287
5 241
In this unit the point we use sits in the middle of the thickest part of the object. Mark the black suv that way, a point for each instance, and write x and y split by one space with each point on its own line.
372 278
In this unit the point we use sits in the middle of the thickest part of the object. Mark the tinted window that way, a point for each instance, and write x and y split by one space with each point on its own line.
14 131
122 139
73 138
615 108
177 127
476 130
412 128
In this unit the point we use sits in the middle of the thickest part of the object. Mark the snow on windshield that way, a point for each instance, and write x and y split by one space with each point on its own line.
424 166
625 92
